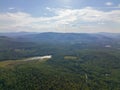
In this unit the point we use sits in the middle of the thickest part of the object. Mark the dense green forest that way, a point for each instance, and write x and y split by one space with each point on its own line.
79 62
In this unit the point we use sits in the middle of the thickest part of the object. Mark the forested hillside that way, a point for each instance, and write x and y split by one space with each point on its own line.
79 61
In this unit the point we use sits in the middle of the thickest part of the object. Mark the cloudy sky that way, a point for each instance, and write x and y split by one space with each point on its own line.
60 16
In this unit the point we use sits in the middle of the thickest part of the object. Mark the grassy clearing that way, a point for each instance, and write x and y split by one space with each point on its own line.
70 57
10 63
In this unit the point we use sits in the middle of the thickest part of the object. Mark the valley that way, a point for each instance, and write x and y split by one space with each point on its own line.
55 61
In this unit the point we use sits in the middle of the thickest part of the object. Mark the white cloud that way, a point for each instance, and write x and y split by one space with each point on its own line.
11 8
48 8
61 21
109 3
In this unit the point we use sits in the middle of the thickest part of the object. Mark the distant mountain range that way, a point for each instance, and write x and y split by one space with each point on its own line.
32 44
62 37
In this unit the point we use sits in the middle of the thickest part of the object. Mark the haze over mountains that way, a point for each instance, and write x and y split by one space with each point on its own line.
54 38
61 36
52 41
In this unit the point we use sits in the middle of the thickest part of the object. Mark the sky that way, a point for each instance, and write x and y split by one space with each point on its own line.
78 16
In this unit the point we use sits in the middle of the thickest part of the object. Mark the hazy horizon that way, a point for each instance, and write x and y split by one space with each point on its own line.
61 32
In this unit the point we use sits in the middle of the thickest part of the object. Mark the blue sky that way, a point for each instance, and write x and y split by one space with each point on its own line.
60 16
